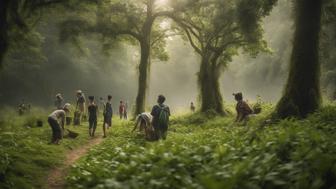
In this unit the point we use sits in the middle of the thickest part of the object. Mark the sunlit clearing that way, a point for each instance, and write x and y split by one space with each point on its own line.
162 3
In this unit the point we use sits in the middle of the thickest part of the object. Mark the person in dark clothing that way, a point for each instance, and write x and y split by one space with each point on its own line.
108 112
160 113
92 110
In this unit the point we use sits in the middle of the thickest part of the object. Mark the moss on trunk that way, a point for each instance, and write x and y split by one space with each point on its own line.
208 79
143 78
302 93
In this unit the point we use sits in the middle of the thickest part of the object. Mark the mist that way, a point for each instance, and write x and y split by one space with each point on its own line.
66 69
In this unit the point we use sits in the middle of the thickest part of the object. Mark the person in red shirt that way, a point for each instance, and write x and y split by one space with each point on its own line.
121 109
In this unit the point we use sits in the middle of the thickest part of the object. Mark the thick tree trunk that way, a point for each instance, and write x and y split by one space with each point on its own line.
143 77
302 93
3 29
208 79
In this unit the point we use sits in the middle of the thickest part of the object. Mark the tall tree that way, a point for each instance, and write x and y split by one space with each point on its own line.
129 20
302 93
216 30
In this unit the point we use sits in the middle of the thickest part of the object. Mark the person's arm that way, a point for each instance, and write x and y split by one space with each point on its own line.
237 117
63 121
168 109
153 111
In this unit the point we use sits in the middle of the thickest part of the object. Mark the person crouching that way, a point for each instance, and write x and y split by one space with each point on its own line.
242 108
56 121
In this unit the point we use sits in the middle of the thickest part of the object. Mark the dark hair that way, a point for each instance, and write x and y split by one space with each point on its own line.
109 97
91 98
161 99
238 96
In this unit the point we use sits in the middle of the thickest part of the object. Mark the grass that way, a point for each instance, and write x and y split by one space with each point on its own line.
212 152
25 155
201 151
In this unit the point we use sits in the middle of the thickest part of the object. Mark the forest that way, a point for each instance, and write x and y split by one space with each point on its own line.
213 94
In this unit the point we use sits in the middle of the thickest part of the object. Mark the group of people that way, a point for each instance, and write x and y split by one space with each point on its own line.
61 115
159 115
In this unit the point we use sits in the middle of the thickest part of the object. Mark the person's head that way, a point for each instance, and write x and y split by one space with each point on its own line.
109 97
191 103
91 98
79 93
121 102
59 96
161 99
66 107
238 96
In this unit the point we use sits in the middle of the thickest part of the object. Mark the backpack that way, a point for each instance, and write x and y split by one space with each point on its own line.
163 116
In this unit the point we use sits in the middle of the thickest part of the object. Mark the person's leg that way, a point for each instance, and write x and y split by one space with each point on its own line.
90 128
104 127
164 132
52 126
58 133
94 127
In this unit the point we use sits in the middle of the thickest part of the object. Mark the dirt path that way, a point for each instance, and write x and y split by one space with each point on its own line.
56 177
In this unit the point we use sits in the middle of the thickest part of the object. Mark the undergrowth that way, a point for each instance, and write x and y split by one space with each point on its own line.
211 152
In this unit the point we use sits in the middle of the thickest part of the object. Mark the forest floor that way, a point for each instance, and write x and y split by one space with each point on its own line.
201 151
57 176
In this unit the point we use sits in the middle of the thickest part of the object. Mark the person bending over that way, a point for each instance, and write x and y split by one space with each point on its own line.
56 121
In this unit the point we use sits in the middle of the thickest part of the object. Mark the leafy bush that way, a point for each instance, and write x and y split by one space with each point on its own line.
217 154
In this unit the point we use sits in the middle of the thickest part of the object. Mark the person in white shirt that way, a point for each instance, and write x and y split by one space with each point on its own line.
56 121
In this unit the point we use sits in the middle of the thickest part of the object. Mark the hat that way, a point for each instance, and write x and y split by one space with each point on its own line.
67 106
58 95
79 91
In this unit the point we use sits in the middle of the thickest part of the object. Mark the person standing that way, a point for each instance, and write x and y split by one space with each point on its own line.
59 101
125 110
121 109
92 111
160 113
80 105
192 107
56 121
108 112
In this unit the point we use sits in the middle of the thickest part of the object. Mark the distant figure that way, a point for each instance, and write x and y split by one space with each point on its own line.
102 104
160 113
108 112
121 109
125 110
92 111
192 107
56 121
242 108
59 101
80 105
22 107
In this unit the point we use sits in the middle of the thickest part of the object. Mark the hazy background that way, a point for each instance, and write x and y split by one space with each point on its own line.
63 68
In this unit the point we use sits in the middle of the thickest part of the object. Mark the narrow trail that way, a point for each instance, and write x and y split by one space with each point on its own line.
56 177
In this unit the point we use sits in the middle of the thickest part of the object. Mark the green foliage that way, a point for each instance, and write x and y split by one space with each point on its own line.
25 155
216 154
